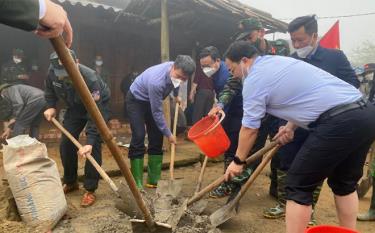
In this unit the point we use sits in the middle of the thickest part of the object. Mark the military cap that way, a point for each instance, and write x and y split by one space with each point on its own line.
281 46
247 26
57 66
18 52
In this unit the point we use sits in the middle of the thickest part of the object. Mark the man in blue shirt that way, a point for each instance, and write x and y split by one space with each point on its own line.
304 35
311 98
145 107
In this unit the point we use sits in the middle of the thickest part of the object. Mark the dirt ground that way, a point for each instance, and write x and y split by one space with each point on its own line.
104 217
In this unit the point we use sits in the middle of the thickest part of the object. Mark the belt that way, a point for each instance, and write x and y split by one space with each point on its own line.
335 111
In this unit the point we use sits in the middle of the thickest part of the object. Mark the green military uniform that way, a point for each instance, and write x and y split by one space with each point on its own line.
22 14
370 214
231 89
11 71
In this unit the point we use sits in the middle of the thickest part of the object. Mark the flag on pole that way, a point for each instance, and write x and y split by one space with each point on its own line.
331 39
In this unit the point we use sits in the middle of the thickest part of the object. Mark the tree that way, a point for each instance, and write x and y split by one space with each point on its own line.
363 54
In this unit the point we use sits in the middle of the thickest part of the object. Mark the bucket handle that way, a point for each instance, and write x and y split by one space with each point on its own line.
218 123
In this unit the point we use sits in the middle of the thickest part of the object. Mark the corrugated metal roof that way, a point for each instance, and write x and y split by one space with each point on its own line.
91 3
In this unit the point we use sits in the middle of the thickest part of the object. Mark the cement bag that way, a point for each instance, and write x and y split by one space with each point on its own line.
35 182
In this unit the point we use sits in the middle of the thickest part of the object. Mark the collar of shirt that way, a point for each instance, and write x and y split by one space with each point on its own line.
257 59
168 79
314 54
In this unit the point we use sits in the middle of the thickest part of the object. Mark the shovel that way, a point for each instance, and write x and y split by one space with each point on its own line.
199 206
89 157
199 195
80 86
229 210
366 182
171 187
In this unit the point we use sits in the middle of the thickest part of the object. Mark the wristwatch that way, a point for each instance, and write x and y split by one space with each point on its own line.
238 161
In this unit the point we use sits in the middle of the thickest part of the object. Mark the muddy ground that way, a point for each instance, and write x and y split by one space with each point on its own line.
104 217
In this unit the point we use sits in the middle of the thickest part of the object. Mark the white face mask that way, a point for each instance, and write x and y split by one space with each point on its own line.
17 60
176 82
98 62
305 51
209 71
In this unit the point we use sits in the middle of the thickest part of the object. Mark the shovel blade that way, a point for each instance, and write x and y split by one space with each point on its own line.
140 226
178 215
364 186
169 188
223 214
199 206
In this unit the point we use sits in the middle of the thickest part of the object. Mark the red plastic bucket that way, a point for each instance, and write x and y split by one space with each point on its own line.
209 136
329 229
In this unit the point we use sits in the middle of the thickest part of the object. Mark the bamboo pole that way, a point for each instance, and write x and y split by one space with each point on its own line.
164 45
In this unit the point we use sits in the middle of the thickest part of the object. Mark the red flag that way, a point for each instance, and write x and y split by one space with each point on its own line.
331 39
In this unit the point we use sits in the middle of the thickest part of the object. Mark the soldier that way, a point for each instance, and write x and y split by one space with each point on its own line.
28 14
14 71
59 86
250 30
103 73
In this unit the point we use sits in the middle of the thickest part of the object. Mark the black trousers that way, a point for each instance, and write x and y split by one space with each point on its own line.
336 149
232 126
140 115
75 120
203 102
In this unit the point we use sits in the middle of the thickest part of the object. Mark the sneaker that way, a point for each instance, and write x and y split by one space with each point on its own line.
68 188
88 199
275 212
312 221
368 216
224 190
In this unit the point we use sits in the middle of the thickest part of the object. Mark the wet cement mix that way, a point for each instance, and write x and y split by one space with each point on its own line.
105 215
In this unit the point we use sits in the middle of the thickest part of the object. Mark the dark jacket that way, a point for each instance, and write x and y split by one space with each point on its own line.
10 72
22 95
57 88
22 14
334 62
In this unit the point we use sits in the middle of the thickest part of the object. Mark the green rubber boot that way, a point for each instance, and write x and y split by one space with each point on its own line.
370 215
137 171
155 163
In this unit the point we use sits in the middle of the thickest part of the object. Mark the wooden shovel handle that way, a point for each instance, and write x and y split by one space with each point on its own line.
256 173
173 146
200 178
100 170
91 107
199 195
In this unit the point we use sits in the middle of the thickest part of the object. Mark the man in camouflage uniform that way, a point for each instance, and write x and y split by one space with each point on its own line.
250 30
14 71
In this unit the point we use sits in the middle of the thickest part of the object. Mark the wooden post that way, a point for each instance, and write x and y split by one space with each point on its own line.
164 45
